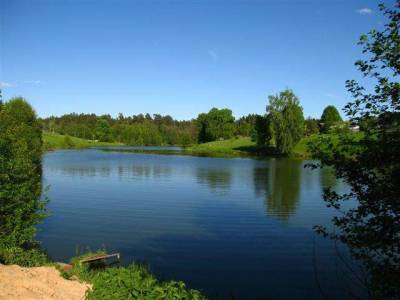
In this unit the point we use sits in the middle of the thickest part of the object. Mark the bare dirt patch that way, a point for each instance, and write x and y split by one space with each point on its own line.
38 283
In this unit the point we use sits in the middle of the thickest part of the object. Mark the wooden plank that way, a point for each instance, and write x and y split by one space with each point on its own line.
101 257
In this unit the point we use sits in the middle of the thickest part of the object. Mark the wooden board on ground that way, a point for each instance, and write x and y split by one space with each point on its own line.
100 258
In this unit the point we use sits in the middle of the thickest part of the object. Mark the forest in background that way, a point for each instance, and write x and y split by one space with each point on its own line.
282 126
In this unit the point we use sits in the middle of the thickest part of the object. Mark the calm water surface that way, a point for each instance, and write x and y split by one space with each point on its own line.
238 227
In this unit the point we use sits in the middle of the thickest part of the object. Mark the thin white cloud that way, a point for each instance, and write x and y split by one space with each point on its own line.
213 55
364 11
35 82
4 84
331 96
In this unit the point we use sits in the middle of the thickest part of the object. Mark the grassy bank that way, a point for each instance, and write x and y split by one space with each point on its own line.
131 282
239 147
232 147
236 147
243 147
52 141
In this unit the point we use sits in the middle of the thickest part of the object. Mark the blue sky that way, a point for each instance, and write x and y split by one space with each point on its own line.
179 57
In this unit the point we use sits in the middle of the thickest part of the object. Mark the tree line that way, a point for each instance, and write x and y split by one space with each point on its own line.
132 130
282 126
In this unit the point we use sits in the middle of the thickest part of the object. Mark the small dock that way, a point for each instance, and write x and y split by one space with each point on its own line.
102 259
94 261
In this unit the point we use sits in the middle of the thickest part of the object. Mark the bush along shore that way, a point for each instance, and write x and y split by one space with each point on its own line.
131 282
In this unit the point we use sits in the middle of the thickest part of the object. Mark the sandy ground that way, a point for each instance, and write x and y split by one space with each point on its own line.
38 283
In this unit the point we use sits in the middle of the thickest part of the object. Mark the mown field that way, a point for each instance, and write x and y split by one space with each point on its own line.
243 146
53 141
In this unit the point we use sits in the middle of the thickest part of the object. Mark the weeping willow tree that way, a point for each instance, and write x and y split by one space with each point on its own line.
287 120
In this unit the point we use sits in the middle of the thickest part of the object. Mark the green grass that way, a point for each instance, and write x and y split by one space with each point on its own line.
131 282
233 147
14 255
244 146
52 141
300 150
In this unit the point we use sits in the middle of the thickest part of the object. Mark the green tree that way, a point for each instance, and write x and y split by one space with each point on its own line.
216 124
103 131
243 128
128 130
330 117
68 142
287 120
311 126
20 180
1 100
263 131
369 163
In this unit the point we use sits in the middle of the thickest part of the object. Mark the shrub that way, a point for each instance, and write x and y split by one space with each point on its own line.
22 257
68 142
330 117
131 282
20 182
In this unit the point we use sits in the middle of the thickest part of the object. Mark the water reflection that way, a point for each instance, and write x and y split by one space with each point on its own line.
327 178
136 170
218 180
279 182
163 210
148 171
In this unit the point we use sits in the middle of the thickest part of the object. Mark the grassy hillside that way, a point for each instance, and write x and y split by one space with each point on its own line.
232 147
243 146
53 141
300 150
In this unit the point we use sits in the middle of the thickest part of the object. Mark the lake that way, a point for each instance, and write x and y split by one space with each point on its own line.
238 226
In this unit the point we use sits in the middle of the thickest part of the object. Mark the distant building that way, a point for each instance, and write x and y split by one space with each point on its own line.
355 128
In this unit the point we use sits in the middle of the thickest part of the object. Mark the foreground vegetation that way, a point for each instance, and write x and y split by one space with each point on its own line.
370 165
21 205
131 282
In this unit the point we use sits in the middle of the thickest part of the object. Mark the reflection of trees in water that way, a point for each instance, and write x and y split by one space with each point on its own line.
145 171
327 178
261 181
79 171
280 183
149 170
216 179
